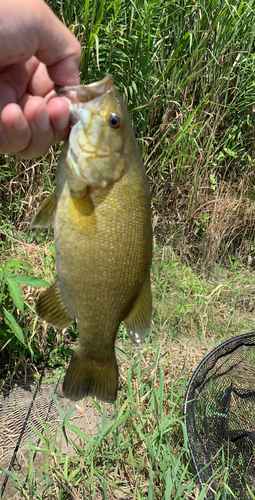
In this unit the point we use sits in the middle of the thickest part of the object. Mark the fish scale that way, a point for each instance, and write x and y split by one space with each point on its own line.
103 239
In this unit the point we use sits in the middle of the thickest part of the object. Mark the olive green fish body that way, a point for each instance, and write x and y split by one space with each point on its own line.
103 242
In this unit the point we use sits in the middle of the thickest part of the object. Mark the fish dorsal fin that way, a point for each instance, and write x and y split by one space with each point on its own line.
139 319
45 214
52 308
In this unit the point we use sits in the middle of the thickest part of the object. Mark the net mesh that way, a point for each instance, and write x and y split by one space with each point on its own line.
46 407
219 415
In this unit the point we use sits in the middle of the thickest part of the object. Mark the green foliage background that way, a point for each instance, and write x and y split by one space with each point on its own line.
186 70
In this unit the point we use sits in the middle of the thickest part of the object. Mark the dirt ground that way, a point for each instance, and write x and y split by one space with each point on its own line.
15 404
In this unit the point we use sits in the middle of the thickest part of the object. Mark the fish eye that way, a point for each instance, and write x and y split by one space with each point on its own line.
114 121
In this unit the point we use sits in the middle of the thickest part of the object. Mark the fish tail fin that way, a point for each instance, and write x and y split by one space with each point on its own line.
90 377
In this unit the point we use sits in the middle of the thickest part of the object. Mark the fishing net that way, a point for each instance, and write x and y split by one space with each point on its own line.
219 415
47 405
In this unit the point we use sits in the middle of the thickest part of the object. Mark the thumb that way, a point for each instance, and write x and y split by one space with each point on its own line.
31 28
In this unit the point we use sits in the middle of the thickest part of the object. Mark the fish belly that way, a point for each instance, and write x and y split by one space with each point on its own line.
103 252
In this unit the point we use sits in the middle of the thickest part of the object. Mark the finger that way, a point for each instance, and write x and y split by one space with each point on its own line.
42 135
59 114
36 131
35 30
14 81
15 133
40 83
23 80
32 133
49 123
64 72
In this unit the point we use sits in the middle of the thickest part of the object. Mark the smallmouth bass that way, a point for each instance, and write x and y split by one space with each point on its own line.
103 238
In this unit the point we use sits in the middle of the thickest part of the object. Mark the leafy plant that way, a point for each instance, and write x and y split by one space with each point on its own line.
186 71
12 306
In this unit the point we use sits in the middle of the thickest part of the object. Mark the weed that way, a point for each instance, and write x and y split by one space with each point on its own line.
138 451
10 289
187 74
186 71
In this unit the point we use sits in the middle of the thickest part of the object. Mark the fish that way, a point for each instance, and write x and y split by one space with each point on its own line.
101 213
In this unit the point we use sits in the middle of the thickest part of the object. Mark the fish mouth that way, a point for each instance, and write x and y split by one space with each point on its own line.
84 93
84 153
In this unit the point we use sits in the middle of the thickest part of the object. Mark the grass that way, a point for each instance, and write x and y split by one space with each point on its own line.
187 74
139 450
192 306
186 71
140 447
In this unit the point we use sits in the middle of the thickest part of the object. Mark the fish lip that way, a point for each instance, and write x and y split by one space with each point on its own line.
68 91
88 92
103 154
84 93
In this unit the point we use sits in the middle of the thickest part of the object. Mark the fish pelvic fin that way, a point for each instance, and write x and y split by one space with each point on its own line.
52 308
90 377
139 319
45 214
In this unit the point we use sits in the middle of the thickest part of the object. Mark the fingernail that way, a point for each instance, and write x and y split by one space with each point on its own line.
41 119
20 123
62 120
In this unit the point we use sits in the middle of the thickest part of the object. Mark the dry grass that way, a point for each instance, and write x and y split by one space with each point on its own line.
176 360
219 223
30 182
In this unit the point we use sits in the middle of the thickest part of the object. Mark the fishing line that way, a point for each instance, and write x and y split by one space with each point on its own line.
37 444
16 466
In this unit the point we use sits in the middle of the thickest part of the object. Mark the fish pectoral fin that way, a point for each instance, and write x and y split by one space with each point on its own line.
90 377
45 214
139 319
52 308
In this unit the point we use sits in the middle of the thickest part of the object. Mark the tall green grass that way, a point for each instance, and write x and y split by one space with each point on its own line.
139 451
187 72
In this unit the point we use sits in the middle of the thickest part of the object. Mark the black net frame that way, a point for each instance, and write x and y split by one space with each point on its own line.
219 416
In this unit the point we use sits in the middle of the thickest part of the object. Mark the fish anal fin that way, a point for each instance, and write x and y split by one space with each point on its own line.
139 319
45 214
90 377
52 308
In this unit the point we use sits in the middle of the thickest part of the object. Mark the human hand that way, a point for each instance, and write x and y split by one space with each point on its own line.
36 51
